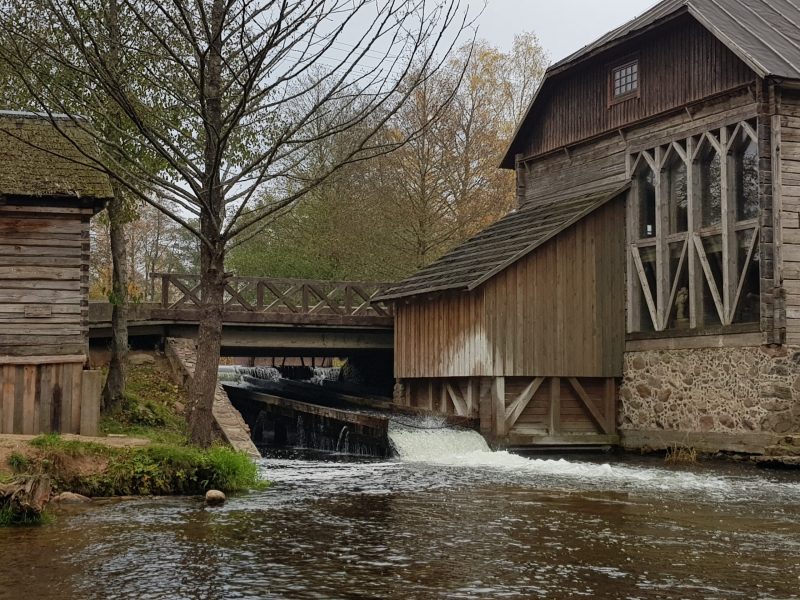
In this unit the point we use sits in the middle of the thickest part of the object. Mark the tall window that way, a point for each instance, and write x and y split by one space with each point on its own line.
694 232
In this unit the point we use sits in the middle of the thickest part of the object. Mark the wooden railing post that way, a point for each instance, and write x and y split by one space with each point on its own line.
348 299
164 291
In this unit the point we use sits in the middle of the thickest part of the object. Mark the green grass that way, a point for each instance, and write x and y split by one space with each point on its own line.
157 469
148 409
18 462
12 518
54 443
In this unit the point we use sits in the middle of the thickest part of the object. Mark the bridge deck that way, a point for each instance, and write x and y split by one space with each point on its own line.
265 316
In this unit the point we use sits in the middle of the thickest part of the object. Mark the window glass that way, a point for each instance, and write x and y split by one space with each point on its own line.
648 256
748 308
626 79
679 311
745 180
647 204
711 190
677 196
713 250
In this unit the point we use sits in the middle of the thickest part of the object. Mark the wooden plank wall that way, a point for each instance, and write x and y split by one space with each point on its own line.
678 65
444 336
787 144
556 312
41 398
44 262
602 163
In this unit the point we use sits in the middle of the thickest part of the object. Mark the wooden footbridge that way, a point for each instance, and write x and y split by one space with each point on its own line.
264 316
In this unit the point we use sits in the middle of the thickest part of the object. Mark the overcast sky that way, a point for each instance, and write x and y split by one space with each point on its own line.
563 26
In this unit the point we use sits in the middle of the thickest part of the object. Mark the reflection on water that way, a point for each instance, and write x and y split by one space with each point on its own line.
466 524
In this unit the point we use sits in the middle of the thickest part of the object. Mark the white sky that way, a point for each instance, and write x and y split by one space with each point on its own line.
563 26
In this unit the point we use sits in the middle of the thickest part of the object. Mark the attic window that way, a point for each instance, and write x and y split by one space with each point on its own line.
625 81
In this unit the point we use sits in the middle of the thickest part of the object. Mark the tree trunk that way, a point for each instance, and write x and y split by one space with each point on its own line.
203 385
212 252
117 217
115 382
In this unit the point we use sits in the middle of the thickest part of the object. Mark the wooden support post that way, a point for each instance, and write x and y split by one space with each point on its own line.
659 294
485 408
694 220
430 394
611 405
499 407
91 390
728 209
443 397
554 422
165 291
470 397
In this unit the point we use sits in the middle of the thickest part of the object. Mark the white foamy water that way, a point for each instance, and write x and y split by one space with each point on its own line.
468 449
432 444
238 373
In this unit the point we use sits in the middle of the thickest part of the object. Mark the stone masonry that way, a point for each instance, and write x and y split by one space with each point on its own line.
712 390
230 424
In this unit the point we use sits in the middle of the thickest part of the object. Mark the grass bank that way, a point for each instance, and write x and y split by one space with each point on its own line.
153 458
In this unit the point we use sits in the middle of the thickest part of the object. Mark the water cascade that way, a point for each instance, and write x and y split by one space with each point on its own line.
429 440
322 374
239 374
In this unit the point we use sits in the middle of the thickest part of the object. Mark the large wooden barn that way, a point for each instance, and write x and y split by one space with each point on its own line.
648 284
47 198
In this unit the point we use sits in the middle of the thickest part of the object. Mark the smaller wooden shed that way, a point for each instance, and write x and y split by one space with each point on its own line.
48 195
522 325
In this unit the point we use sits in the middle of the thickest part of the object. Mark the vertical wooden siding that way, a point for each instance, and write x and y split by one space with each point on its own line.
788 145
41 398
680 64
442 337
601 163
556 312
44 260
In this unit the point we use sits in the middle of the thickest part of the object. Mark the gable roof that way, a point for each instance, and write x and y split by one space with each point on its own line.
764 34
37 161
502 244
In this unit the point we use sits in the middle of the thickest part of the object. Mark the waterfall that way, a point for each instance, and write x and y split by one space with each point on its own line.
427 440
322 374
236 373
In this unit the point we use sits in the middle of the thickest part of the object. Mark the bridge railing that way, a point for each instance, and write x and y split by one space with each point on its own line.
283 296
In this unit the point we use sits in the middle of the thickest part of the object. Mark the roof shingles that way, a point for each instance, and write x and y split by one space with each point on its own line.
36 160
496 247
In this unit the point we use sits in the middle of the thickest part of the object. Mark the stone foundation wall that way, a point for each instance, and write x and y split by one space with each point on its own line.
712 390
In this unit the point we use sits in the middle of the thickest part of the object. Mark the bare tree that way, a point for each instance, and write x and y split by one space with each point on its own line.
221 99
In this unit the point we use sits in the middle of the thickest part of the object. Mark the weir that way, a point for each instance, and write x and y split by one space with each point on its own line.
321 413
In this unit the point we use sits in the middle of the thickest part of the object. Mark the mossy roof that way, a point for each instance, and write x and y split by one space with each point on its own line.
37 160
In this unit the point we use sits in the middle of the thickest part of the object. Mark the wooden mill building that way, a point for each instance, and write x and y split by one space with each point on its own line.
647 287
47 197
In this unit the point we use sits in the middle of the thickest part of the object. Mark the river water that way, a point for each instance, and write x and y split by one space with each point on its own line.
449 519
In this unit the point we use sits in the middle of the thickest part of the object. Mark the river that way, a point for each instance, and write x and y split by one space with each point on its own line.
448 520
